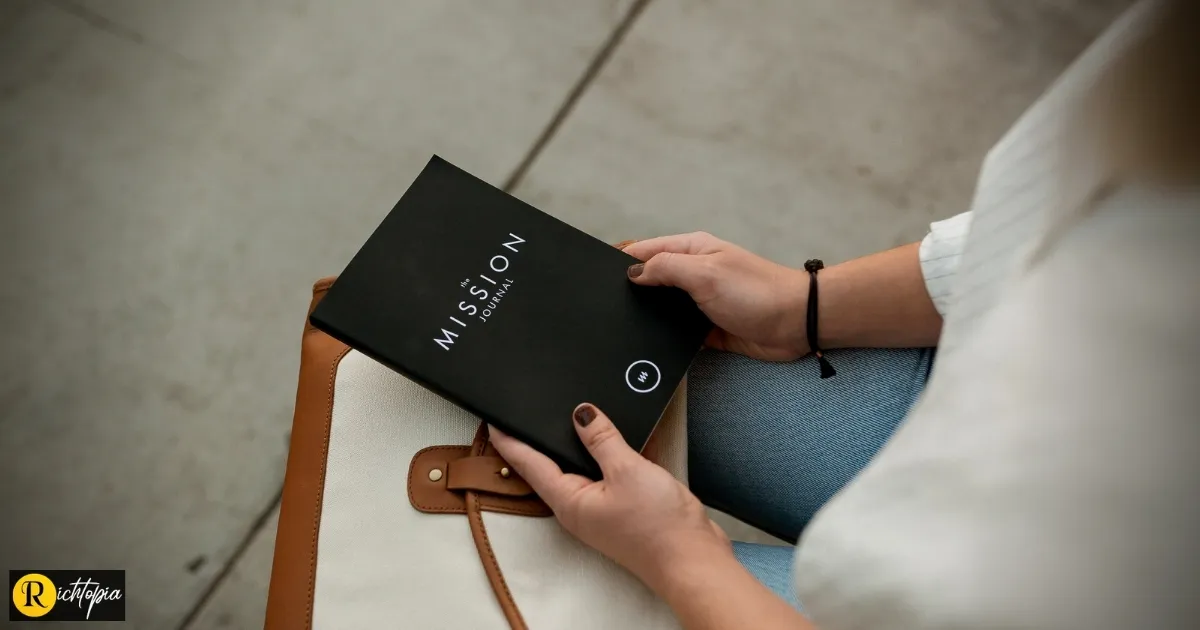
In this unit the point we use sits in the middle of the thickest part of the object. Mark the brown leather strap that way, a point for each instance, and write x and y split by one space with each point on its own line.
490 566
485 474
479 533
293 573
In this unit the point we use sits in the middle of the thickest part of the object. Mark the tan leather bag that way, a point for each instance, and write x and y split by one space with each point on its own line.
397 513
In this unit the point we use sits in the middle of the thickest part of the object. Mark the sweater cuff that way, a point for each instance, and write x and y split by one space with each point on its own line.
941 250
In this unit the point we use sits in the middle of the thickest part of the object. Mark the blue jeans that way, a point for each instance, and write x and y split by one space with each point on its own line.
770 443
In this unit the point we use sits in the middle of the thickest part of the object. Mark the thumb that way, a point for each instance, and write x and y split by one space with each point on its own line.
690 272
602 439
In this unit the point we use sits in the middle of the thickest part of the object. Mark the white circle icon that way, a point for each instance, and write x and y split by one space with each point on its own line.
642 376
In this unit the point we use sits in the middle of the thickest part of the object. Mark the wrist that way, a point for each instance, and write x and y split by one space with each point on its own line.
834 327
793 319
710 588
686 565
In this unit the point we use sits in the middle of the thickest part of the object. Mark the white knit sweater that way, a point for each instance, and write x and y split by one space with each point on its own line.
1048 477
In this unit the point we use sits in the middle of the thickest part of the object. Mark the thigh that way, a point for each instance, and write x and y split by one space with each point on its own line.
772 565
770 443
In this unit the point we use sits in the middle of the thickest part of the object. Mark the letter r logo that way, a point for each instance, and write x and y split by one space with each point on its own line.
34 595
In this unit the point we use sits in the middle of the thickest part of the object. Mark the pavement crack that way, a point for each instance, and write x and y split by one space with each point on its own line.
581 85
232 562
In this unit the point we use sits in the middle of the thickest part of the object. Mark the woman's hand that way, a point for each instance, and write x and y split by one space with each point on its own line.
757 305
638 514
646 521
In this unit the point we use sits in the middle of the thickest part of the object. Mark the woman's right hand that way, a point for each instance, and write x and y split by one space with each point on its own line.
757 305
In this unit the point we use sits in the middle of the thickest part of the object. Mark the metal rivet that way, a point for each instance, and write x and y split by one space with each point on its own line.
504 472
435 474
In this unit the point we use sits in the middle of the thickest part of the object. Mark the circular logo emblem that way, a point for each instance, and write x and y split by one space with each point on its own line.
642 376
34 595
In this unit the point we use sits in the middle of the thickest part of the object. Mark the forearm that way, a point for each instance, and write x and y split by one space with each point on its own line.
710 590
878 301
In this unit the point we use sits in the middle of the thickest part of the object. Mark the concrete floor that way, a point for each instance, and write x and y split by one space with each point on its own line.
175 173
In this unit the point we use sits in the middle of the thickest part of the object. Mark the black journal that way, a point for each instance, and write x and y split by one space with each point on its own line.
513 315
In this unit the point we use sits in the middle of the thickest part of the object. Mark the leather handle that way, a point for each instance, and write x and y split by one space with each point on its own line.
485 474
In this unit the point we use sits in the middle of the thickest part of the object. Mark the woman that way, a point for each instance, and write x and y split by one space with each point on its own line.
1046 477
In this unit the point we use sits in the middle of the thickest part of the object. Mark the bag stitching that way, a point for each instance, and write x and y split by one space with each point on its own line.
412 465
492 507
316 529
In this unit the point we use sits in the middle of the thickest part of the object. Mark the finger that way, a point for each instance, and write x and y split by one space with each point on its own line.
539 471
692 273
691 243
716 339
602 439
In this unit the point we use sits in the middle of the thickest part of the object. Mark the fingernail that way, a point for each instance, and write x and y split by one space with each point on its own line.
584 414
636 270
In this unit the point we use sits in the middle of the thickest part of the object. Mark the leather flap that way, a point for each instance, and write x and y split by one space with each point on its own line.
485 474
427 480
440 476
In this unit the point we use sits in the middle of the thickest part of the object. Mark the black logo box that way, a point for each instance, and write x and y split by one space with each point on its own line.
71 603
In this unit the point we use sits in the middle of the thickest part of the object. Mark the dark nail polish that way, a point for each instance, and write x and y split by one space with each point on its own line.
584 414
636 270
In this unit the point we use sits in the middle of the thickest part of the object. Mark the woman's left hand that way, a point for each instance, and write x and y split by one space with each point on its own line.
638 514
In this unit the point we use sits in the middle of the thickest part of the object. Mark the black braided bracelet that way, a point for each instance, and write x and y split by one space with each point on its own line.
810 325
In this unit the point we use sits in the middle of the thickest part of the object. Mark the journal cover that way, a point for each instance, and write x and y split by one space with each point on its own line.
513 315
